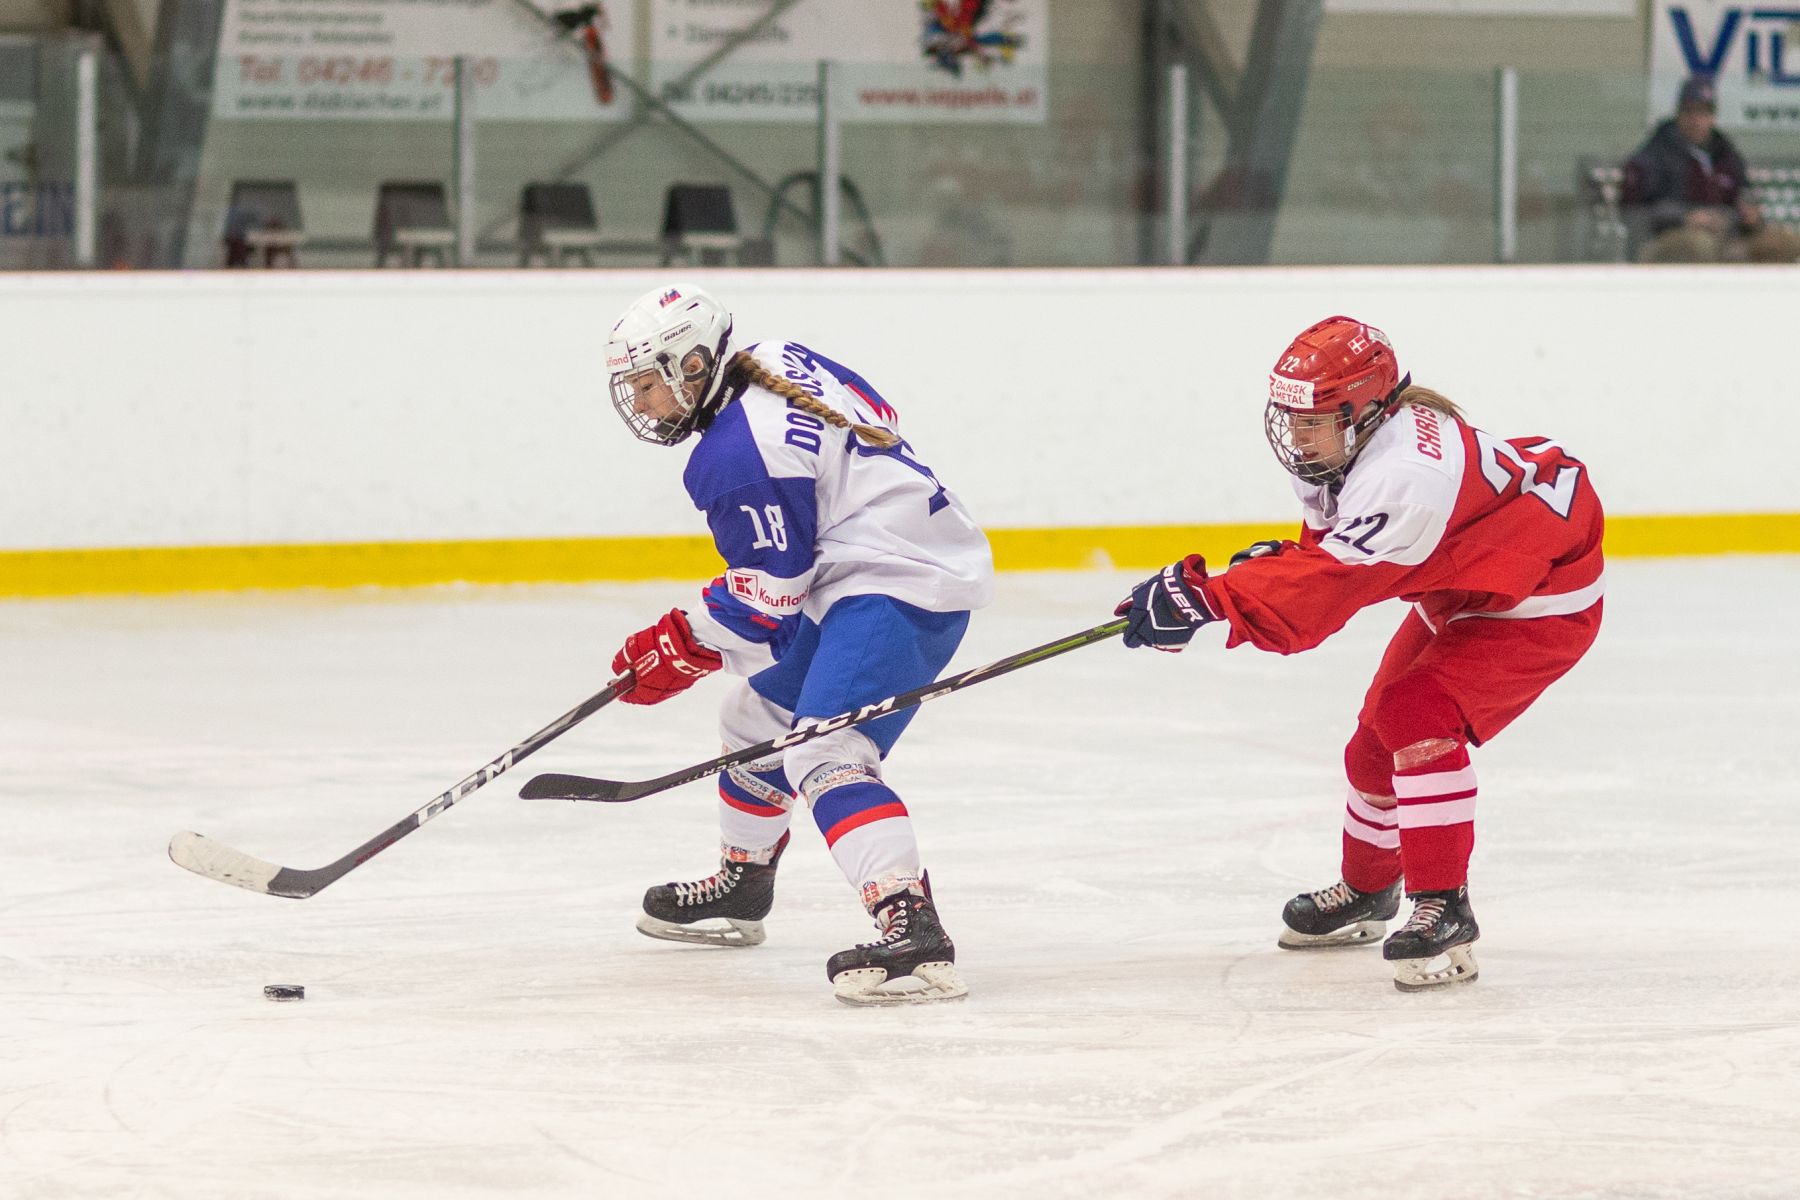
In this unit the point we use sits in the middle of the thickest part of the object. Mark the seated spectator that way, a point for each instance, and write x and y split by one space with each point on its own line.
1685 188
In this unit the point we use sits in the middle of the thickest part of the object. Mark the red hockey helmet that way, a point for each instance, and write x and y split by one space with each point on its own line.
1328 391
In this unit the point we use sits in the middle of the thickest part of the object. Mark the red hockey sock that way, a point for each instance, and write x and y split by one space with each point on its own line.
1371 844
1437 820
1371 833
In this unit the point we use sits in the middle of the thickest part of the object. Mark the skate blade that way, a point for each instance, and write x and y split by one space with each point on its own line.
869 987
718 931
1455 965
1361 933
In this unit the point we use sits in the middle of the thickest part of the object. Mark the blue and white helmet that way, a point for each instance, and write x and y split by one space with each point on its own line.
683 335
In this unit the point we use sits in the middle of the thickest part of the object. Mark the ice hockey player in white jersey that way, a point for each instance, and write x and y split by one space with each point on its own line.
850 575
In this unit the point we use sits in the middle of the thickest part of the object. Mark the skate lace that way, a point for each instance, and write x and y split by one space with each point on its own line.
1334 897
1425 914
893 924
704 891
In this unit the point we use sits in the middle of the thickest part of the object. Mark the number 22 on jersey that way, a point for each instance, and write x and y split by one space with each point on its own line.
1557 492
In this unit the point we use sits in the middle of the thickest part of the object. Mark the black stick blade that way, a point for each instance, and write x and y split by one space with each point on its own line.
573 787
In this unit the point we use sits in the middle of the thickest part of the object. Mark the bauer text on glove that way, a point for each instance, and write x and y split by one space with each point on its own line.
1166 609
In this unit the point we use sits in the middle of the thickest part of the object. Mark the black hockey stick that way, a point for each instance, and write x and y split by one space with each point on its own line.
614 791
203 856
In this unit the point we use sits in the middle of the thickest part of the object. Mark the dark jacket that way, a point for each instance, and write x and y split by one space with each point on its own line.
1668 177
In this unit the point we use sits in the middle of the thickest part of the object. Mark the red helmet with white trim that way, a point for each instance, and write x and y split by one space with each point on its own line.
1329 390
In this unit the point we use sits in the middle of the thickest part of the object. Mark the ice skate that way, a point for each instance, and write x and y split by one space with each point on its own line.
1436 945
912 962
724 909
1337 916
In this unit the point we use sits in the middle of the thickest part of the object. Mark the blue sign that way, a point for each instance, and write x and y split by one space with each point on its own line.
1751 51
37 210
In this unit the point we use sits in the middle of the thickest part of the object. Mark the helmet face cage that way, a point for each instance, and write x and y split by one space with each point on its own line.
685 387
1350 432
680 334
1278 426
1334 384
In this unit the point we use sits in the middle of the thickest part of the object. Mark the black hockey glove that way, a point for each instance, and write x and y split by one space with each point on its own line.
1166 609
1258 550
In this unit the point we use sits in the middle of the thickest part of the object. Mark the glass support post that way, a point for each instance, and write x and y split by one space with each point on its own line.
830 171
1177 163
1506 164
87 152
464 182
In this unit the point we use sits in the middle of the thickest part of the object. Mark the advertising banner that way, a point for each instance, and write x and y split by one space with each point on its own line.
1490 8
1752 51
393 60
893 60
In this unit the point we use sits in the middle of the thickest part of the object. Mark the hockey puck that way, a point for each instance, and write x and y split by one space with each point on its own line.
284 991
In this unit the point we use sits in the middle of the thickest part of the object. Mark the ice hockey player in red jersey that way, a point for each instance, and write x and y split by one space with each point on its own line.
1495 544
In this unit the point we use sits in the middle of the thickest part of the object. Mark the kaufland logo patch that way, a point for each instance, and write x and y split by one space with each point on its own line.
1290 393
747 586
617 362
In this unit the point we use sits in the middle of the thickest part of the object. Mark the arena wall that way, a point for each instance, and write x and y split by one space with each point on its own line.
198 430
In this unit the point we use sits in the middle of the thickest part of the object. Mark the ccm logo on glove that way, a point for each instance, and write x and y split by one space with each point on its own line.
666 658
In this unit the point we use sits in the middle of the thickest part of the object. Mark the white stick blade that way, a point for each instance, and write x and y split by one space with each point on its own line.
203 856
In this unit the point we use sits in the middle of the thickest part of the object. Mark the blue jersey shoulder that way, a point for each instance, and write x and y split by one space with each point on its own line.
726 459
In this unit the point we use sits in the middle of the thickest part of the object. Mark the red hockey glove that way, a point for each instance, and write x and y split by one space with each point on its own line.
1166 609
666 659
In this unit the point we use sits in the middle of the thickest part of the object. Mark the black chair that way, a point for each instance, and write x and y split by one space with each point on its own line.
412 219
698 223
263 214
557 222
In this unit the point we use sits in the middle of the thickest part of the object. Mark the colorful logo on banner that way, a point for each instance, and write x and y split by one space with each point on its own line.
1751 51
954 34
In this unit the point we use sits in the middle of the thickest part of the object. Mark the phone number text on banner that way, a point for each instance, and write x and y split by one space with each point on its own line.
343 60
923 61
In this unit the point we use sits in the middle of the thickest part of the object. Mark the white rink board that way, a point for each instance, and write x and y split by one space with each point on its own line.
272 407
482 1020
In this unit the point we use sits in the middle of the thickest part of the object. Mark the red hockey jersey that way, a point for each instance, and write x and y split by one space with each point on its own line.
1438 513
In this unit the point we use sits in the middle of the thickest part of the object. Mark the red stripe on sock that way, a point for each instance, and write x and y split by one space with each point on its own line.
753 807
1362 820
1462 795
880 812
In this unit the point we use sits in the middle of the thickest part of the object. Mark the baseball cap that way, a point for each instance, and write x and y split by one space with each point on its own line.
1697 92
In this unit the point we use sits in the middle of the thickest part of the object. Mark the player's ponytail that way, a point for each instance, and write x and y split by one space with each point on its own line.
1425 397
742 366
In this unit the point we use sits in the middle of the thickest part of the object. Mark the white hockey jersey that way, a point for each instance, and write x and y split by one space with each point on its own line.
805 514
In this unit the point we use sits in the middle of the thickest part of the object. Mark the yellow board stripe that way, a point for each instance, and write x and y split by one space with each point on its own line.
573 560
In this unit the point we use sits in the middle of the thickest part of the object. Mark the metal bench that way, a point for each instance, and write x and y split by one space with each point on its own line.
1607 233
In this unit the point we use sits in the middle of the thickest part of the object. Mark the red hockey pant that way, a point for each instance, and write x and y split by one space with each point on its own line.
1460 685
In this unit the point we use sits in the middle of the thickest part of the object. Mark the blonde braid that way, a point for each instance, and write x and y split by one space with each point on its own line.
743 365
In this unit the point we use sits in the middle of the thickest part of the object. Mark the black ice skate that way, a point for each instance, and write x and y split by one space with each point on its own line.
1436 945
912 962
1338 916
724 909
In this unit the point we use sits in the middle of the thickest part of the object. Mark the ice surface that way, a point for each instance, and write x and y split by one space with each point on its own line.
1111 837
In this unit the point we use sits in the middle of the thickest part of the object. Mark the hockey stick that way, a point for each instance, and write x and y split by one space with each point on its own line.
203 856
614 791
